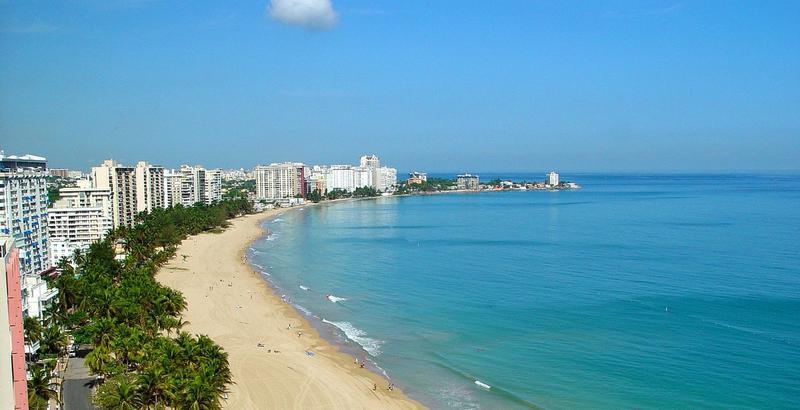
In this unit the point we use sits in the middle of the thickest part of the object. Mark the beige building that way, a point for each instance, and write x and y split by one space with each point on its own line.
121 181
149 187
468 182
280 181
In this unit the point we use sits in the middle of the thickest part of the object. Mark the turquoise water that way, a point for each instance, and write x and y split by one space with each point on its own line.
634 292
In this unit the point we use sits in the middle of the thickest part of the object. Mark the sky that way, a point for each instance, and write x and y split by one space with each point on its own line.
436 85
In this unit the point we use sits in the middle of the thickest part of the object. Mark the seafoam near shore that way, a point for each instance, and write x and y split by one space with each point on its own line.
277 358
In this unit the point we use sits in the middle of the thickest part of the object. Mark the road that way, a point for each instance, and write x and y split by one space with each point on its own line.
78 384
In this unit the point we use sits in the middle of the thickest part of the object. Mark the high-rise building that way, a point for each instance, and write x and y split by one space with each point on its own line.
372 165
387 179
213 191
13 385
551 178
280 181
149 187
172 188
468 182
121 181
81 216
23 217
193 184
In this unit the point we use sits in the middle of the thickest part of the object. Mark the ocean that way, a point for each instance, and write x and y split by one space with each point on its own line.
637 291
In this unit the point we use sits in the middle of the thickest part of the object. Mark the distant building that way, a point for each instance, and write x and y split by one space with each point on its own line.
213 191
121 181
59 172
75 174
14 382
551 179
81 216
387 179
468 182
149 187
417 178
371 164
280 181
172 188
193 185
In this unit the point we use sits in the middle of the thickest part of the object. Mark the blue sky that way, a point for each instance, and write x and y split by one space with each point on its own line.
439 85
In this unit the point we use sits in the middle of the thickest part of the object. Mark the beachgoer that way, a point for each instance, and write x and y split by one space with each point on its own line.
374 387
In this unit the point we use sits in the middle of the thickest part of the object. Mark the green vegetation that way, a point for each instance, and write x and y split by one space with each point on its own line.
133 322
238 189
54 184
315 196
431 185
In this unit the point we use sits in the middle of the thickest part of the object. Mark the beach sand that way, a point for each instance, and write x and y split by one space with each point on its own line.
233 305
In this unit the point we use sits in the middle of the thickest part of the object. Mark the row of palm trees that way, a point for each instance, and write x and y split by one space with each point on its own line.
140 355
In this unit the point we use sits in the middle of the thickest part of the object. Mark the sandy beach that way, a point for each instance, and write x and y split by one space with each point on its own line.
233 305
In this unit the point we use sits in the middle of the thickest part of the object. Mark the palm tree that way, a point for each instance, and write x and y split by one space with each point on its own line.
155 387
98 359
53 341
40 389
198 394
32 331
119 393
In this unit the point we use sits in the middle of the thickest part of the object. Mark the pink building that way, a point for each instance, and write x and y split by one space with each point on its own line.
14 383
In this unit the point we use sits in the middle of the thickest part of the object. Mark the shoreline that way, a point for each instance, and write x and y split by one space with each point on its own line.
273 366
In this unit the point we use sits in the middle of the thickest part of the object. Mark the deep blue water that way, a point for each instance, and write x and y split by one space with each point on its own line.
648 291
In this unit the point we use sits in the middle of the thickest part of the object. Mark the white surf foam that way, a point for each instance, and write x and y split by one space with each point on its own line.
482 384
372 346
272 237
335 299
277 220
305 288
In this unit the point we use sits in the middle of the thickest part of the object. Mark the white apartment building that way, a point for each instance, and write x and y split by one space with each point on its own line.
372 165
149 187
172 188
121 181
193 184
82 216
280 181
387 179
551 178
213 191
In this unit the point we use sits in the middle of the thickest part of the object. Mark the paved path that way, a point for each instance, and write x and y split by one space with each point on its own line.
77 385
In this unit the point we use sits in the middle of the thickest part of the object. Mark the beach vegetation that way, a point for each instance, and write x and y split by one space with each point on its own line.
108 297
41 389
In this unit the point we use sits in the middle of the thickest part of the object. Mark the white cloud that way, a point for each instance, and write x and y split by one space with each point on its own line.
317 14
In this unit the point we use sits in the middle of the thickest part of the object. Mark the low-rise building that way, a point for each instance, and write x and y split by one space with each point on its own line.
417 178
